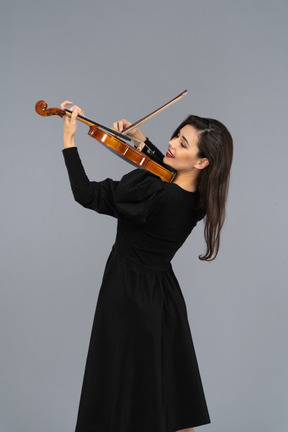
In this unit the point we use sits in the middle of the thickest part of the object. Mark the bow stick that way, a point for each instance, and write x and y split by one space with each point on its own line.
147 117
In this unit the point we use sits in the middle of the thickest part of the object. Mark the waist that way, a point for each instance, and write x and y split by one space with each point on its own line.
142 260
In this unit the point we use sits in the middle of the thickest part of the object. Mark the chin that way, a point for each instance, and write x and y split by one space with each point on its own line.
167 161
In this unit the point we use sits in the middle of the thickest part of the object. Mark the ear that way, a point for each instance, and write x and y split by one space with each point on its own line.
201 163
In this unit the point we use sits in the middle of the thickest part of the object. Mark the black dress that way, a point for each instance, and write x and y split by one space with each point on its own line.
141 371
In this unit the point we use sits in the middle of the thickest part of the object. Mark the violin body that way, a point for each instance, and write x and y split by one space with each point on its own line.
130 154
113 142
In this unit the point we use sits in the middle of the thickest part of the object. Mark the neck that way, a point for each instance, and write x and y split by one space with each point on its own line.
186 181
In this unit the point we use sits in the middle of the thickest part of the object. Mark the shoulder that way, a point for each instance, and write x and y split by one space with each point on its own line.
141 180
183 200
138 194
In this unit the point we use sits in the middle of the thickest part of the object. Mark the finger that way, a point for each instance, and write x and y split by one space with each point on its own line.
78 109
126 123
65 103
75 112
118 126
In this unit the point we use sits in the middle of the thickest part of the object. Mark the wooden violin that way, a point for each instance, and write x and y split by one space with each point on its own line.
112 139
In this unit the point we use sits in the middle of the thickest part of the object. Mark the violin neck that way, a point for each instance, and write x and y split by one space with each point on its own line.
81 118
93 123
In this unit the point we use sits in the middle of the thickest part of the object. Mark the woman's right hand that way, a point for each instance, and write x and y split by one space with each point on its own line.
136 133
70 124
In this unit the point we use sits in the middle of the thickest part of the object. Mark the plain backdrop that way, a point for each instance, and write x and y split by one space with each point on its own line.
123 59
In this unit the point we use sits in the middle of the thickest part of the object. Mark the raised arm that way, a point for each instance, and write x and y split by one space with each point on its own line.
70 124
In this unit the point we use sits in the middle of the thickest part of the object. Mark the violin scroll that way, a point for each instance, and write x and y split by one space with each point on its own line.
42 109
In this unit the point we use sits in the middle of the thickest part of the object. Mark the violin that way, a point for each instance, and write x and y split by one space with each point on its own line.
115 140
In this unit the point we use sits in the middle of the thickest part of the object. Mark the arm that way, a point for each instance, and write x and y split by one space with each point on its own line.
98 196
133 198
153 152
70 124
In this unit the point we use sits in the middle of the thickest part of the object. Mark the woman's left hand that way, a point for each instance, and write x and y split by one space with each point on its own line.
70 124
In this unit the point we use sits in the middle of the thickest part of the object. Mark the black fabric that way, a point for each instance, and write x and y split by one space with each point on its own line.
153 151
141 373
155 154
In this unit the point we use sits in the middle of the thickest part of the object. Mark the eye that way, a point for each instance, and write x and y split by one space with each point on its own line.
183 145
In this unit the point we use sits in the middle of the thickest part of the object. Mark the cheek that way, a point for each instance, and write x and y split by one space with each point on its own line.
185 160
186 157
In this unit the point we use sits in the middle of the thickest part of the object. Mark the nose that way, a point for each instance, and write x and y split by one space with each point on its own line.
172 142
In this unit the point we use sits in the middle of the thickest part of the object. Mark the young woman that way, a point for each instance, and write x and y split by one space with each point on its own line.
141 372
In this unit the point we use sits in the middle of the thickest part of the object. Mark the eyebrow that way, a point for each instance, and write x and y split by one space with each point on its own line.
185 139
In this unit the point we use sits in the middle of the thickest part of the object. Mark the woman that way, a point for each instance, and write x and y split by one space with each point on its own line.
141 371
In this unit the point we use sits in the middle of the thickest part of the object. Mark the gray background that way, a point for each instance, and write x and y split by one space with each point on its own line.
124 59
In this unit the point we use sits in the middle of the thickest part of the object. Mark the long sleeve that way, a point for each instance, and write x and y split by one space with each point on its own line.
98 196
133 198
156 153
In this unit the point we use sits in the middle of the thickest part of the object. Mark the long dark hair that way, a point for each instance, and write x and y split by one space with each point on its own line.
216 144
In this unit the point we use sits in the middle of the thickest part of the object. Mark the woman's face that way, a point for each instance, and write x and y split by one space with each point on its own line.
183 150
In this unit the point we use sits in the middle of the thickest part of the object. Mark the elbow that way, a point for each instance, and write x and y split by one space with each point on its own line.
85 194
81 197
